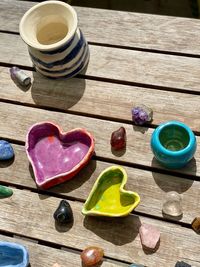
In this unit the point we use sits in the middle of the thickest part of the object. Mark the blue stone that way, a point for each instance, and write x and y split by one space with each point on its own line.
6 150
13 254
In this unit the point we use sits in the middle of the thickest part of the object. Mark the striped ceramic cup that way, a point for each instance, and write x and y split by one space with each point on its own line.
56 45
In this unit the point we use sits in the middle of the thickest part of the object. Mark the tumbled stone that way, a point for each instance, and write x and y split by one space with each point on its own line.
56 265
172 204
63 213
149 236
142 114
20 76
196 225
92 256
6 150
5 191
118 139
182 264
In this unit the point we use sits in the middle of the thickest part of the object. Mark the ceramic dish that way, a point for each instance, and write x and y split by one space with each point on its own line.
108 196
173 144
56 156
13 254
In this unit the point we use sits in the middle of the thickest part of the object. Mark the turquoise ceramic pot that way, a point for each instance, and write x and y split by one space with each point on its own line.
173 144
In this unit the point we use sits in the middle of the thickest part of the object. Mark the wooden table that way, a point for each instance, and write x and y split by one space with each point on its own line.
135 58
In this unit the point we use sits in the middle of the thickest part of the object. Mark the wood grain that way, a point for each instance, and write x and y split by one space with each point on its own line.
121 28
94 98
45 256
120 64
30 214
16 119
151 186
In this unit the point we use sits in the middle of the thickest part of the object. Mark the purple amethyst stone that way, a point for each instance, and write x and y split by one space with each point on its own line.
142 114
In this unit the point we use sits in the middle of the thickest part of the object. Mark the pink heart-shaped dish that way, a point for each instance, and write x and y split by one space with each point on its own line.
56 156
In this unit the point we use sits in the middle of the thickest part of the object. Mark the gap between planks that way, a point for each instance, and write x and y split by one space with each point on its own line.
129 48
149 31
144 182
138 150
45 254
93 99
127 164
134 67
121 245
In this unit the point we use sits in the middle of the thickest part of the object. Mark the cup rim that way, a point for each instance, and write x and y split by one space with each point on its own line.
185 150
43 47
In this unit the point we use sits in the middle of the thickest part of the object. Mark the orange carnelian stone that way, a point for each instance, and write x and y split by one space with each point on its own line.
92 255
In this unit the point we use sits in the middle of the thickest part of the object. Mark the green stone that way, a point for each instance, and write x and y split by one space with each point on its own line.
5 191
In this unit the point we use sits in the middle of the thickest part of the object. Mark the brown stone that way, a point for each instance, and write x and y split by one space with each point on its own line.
196 225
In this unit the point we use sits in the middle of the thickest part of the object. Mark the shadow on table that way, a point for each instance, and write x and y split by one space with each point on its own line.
118 153
6 163
56 93
77 181
148 251
172 218
118 231
140 129
167 183
96 265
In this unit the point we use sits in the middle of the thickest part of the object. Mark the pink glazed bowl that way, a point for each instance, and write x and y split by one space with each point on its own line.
56 156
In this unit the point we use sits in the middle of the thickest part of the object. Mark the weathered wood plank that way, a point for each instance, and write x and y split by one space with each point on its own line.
118 237
94 98
145 183
120 64
44 256
121 28
16 119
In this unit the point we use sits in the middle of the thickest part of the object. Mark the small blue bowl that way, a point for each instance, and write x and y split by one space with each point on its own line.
173 144
13 255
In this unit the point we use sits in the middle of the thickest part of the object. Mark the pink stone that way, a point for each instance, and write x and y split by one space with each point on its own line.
56 265
149 236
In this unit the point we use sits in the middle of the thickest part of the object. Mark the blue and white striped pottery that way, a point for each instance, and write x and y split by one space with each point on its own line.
56 45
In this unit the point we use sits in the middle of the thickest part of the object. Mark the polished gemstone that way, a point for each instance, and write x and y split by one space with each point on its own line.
92 256
172 204
63 213
196 225
149 236
118 139
20 76
182 264
142 114
5 191
6 150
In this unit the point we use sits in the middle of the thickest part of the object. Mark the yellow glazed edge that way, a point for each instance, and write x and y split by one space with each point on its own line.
122 190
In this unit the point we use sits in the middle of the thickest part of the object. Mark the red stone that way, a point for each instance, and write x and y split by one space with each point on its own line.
118 139
91 256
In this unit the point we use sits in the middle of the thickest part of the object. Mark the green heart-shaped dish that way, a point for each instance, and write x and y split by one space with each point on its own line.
108 197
